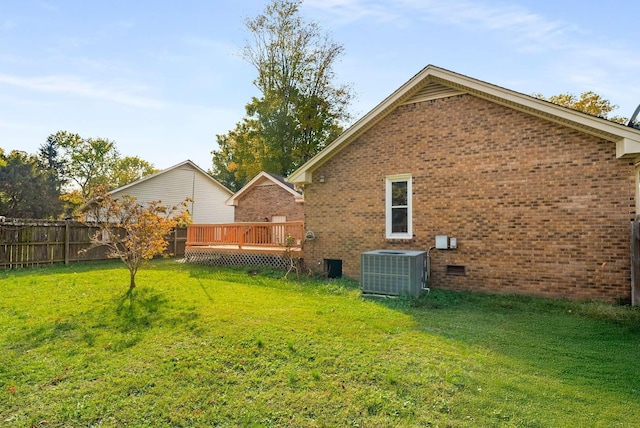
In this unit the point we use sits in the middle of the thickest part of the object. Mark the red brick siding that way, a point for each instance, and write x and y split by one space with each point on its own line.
265 201
536 207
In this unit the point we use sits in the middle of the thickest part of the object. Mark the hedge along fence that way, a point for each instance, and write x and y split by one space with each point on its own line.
27 243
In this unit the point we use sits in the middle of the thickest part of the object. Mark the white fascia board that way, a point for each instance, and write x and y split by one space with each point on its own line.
592 125
301 176
263 175
627 148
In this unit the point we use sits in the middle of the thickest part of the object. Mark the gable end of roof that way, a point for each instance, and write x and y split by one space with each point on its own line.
434 82
274 178
172 168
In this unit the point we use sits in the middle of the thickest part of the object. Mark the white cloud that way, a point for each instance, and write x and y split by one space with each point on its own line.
529 30
12 125
349 11
564 49
77 86
48 6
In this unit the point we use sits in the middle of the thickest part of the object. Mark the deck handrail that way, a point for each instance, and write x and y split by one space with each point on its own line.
261 234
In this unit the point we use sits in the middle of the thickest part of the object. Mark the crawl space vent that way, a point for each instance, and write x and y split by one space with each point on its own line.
455 270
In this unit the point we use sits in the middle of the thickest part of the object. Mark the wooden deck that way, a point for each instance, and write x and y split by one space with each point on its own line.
257 238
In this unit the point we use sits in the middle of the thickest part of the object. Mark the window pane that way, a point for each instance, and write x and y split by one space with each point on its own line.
398 207
399 193
399 223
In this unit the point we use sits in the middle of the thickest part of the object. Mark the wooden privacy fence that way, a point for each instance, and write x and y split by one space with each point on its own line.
25 243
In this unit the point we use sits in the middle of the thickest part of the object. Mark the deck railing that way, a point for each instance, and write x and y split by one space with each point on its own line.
262 234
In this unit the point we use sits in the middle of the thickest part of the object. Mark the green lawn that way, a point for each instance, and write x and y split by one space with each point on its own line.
204 346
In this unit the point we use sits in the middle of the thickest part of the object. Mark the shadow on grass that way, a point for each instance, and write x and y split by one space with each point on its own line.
43 334
139 308
135 312
269 277
142 309
584 343
62 269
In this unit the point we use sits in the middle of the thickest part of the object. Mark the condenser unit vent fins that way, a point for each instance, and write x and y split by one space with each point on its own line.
393 272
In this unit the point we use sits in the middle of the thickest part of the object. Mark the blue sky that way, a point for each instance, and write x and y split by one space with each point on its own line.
161 78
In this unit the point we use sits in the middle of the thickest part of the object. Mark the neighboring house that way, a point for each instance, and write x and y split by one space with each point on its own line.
267 197
539 198
184 180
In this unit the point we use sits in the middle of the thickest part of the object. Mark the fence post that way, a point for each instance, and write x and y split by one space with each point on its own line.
67 244
175 241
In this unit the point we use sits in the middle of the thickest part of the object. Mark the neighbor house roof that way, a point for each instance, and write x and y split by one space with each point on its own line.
259 180
433 82
165 171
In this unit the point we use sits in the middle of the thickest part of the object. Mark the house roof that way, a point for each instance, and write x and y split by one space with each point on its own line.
164 171
260 178
433 82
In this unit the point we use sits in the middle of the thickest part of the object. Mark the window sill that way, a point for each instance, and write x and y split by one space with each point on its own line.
399 239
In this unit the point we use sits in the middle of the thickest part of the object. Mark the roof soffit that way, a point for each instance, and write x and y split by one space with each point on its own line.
431 90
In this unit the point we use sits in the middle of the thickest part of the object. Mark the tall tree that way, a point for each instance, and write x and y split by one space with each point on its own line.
88 161
50 156
50 159
129 169
26 190
588 102
86 164
300 109
241 155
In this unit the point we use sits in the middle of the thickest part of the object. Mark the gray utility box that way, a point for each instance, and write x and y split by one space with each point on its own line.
393 272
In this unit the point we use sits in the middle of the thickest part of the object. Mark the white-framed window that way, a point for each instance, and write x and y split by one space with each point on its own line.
398 207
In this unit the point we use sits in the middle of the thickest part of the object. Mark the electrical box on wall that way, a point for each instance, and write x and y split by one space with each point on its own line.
453 243
442 242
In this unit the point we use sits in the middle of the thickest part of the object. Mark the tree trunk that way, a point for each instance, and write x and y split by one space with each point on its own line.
132 283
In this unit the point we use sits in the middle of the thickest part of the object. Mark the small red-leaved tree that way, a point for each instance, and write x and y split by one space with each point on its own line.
131 231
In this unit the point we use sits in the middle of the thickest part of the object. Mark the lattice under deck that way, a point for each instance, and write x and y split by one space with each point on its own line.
225 258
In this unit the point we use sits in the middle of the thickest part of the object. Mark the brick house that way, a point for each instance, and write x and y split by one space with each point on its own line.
267 197
538 198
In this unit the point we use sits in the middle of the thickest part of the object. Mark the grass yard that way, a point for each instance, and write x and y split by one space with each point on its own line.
203 346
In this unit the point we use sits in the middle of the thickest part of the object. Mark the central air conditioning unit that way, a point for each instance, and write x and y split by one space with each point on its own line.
393 272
